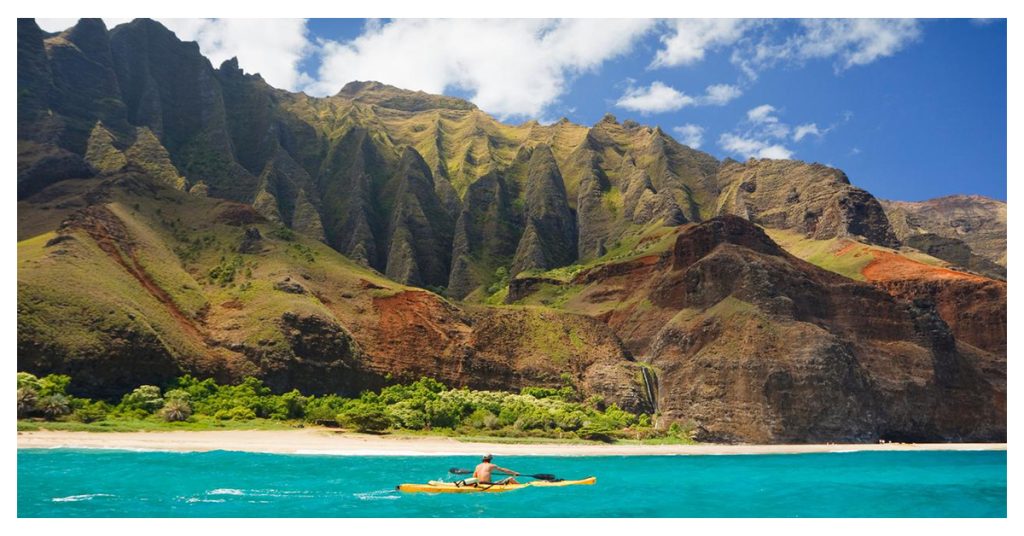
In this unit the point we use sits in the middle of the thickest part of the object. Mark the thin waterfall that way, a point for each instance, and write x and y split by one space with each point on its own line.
651 386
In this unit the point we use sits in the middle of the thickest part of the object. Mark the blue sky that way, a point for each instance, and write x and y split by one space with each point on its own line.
909 109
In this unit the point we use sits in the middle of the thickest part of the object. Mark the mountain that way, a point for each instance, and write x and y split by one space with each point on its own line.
750 343
135 282
967 230
215 225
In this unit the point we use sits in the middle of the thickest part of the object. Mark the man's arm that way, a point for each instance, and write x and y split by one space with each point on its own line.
506 471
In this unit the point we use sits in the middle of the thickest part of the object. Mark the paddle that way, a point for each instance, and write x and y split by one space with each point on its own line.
538 476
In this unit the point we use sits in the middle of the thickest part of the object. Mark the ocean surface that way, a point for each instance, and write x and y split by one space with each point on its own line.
110 483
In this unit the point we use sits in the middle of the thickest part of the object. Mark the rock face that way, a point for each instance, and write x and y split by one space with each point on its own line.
977 221
549 240
956 252
420 232
811 198
752 344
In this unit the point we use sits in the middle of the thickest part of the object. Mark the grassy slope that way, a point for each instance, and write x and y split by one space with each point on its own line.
72 292
842 256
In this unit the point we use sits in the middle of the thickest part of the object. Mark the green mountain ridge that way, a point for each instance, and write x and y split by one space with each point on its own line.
332 164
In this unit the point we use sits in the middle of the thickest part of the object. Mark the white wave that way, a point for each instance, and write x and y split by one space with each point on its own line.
76 498
193 500
226 491
379 495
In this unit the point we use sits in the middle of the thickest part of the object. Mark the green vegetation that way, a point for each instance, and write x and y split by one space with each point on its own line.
424 406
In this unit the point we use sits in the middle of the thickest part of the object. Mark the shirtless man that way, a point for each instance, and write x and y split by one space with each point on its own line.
482 473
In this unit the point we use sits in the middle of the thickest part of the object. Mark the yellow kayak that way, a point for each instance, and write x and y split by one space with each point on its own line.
437 486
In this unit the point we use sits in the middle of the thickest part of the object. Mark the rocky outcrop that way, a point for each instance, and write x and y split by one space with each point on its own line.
550 236
809 198
978 221
954 251
420 233
169 87
346 186
487 228
751 344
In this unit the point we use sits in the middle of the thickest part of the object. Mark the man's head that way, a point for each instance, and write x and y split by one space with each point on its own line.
487 458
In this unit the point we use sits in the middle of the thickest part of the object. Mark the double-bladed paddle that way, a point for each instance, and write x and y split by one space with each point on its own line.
538 476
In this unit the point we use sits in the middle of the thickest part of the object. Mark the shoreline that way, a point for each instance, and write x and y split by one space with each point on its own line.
324 441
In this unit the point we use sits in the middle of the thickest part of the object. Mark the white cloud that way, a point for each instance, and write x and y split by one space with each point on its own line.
761 135
806 129
656 98
271 47
689 39
850 42
856 41
753 148
690 134
762 114
510 67
721 94
659 97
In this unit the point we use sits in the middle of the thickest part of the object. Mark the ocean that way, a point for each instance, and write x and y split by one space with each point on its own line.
116 483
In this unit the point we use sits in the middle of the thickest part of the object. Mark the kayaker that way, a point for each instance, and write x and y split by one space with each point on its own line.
483 470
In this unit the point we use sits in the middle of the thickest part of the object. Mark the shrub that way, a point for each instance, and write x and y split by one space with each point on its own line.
482 419
323 409
28 380
54 384
541 392
146 398
54 406
596 432
27 400
177 394
176 409
294 404
89 411
364 416
238 413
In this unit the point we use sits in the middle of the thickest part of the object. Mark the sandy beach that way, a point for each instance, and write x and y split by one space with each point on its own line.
326 441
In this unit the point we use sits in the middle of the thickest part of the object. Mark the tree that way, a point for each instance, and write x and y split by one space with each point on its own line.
175 410
54 406
146 398
27 399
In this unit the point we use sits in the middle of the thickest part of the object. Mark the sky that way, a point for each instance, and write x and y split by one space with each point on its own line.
909 109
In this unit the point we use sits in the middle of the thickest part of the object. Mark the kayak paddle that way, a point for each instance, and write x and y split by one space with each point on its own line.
539 476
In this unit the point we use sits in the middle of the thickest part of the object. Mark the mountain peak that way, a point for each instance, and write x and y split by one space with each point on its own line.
386 96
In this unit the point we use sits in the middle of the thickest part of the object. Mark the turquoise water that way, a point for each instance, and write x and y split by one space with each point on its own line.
99 483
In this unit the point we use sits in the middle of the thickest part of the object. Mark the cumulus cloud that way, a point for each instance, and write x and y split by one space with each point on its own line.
656 98
690 135
689 39
659 97
509 67
807 129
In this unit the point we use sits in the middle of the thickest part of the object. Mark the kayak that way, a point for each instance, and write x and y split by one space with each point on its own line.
437 486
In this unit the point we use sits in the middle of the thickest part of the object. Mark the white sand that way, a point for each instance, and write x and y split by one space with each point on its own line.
326 441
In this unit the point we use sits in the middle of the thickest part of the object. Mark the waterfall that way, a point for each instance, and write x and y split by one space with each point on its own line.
651 386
